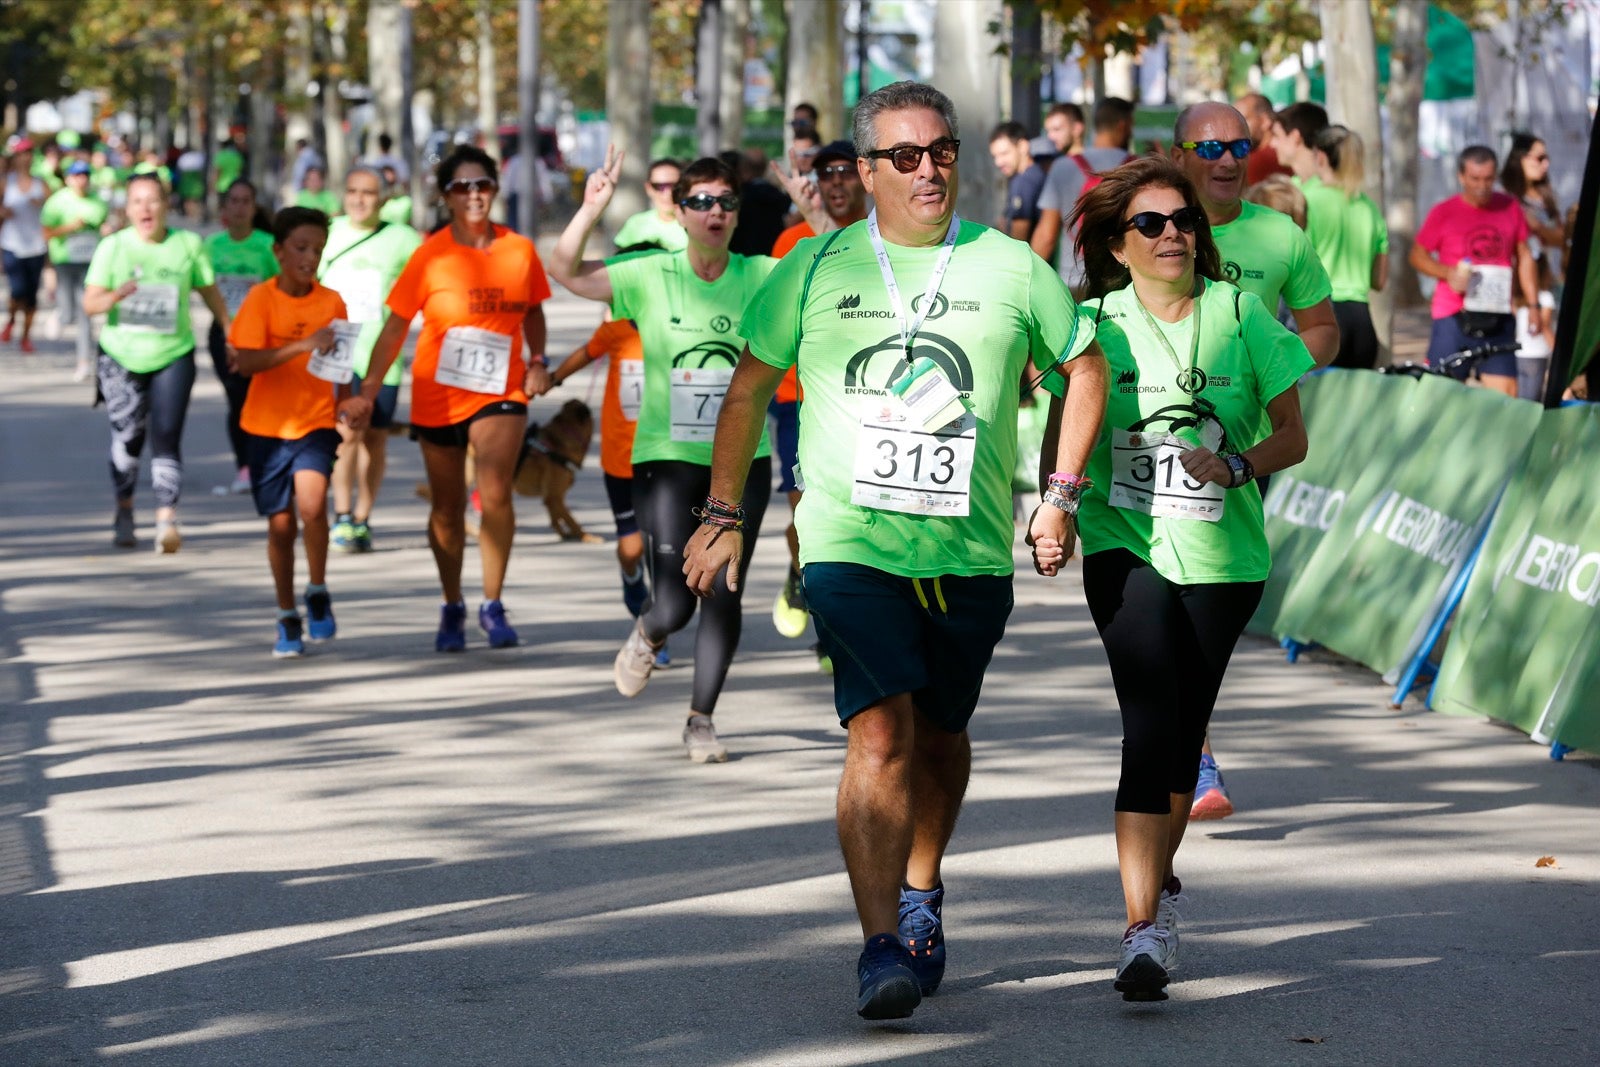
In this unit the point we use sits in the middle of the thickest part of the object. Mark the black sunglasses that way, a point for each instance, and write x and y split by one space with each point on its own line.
662 187
908 157
705 202
1212 150
1153 223
472 185
837 170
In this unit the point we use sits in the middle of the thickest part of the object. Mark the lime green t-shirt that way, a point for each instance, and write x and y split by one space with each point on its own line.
65 206
648 226
1265 253
1348 233
396 209
162 171
42 171
105 182
688 327
326 201
1000 312
1246 358
361 266
229 164
150 328
240 265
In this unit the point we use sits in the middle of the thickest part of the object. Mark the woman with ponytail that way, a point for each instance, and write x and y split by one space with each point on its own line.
1348 232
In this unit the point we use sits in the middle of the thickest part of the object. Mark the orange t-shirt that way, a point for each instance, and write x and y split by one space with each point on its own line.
789 389
454 286
288 401
620 340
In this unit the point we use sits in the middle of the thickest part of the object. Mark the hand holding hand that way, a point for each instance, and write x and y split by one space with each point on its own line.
537 380
1053 536
355 412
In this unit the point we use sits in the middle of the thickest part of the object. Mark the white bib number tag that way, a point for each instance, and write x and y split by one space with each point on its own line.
630 387
474 359
234 288
697 400
1489 290
362 292
901 467
337 364
1148 477
80 244
151 308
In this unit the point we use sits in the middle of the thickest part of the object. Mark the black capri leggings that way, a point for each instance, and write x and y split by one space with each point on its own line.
1168 645
664 491
1358 340
236 386
151 405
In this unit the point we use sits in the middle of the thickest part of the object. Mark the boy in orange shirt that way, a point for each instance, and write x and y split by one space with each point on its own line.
295 346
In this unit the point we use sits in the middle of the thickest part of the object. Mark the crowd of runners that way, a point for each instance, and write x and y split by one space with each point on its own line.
1164 308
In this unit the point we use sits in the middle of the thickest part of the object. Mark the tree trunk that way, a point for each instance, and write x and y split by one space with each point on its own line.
1352 73
527 220
971 78
708 78
488 114
1408 67
334 28
297 74
816 63
390 97
628 103
735 41
1027 35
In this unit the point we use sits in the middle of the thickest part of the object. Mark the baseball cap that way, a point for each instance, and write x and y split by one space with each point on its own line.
77 166
834 150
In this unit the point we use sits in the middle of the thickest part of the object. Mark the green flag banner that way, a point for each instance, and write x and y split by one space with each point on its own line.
1341 407
1525 647
1381 573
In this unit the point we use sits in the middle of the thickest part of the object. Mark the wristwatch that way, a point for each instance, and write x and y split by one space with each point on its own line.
1243 473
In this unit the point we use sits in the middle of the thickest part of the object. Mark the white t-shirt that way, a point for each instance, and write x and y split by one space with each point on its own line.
23 234
1533 343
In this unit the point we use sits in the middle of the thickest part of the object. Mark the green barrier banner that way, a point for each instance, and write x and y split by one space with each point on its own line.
1525 647
1340 406
1381 573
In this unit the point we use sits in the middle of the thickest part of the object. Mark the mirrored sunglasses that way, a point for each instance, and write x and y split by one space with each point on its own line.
908 157
705 202
1212 150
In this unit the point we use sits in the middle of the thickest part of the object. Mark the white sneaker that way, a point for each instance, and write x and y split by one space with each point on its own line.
168 540
633 665
1167 916
1142 973
700 738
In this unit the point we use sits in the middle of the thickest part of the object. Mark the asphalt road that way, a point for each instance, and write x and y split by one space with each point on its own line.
382 856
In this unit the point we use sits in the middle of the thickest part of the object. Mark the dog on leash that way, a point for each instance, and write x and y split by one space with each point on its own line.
547 468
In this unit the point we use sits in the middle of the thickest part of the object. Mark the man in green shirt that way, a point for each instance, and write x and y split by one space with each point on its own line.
72 219
227 165
907 444
659 224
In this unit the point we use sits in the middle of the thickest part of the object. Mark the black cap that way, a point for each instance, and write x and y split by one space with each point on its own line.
834 150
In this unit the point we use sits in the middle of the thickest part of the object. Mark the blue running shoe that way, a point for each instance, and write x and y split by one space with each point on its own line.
922 932
344 534
290 642
664 657
1210 795
361 537
635 594
452 636
888 987
320 625
492 619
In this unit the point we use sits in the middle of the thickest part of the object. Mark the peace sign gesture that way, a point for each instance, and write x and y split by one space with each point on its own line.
602 183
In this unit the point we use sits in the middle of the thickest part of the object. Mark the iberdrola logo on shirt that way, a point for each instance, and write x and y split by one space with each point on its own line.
874 369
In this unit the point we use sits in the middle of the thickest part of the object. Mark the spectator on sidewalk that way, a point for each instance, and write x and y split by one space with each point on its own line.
1013 158
1263 162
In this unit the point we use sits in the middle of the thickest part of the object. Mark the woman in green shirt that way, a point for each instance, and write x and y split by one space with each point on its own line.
1348 232
241 258
1175 554
141 278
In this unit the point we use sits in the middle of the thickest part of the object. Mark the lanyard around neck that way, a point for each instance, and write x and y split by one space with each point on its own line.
1185 373
909 327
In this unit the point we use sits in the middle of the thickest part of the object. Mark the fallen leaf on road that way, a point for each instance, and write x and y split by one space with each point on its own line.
1545 861
1309 1040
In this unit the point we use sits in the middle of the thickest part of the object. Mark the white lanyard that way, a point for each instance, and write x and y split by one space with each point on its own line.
1186 376
909 328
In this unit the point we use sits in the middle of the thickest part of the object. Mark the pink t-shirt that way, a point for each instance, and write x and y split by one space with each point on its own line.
1455 230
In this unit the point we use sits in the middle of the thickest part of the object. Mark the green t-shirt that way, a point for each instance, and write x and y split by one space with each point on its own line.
693 335
240 265
1265 253
162 171
150 328
1001 311
396 209
326 201
63 207
361 266
229 164
1348 233
1247 358
648 226
42 171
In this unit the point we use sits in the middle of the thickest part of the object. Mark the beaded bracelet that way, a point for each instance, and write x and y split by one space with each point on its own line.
720 513
1069 480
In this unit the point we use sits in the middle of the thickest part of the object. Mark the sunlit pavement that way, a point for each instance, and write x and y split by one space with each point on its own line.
378 855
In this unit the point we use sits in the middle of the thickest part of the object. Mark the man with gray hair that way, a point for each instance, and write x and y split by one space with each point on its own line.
910 330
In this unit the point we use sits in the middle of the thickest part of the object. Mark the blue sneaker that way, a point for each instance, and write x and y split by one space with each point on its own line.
344 534
888 987
289 640
1210 795
452 636
492 619
922 932
361 537
635 594
664 657
320 625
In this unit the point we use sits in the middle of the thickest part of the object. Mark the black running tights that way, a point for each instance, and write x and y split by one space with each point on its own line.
1169 645
664 491
143 406
235 386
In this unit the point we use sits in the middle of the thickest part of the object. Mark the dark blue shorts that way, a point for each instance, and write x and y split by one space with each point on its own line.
1448 339
274 461
620 492
930 637
786 441
383 407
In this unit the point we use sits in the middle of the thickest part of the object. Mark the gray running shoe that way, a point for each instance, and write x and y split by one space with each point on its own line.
635 660
1167 917
122 529
1146 954
700 738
